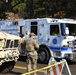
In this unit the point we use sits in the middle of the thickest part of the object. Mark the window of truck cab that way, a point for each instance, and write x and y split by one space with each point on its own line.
71 27
54 30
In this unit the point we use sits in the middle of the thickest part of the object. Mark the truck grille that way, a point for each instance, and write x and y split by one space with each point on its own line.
16 42
10 44
7 44
74 44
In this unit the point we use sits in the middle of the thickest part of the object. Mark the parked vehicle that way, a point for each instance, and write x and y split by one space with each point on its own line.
9 52
54 36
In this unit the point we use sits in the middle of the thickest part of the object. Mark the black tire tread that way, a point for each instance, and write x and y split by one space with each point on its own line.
6 67
47 55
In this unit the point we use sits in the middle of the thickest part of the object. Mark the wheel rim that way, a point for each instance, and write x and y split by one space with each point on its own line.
42 56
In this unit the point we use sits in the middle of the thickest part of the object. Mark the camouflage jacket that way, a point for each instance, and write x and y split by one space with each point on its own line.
31 46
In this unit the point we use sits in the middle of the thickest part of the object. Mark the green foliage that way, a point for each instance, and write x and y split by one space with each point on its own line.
40 8
2 10
19 7
15 2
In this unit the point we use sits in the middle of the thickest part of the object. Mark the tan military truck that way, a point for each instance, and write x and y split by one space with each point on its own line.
9 52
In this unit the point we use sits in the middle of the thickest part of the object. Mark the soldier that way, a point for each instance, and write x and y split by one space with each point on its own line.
31 46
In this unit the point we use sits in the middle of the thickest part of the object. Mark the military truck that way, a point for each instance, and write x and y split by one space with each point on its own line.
9 52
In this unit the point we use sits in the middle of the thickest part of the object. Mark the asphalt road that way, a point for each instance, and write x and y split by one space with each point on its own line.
20 68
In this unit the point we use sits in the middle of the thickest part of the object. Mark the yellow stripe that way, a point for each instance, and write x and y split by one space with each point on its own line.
19 67
24 68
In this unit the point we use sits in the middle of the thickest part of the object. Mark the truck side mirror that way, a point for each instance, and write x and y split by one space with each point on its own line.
67 31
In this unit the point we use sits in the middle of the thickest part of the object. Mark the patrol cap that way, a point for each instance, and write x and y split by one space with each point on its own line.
32 34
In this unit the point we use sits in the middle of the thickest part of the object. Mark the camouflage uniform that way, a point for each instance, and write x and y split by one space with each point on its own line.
31 46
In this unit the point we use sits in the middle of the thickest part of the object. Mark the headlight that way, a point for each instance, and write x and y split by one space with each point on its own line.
65 45
69 42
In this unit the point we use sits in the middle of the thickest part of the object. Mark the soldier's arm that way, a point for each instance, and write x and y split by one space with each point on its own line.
36 45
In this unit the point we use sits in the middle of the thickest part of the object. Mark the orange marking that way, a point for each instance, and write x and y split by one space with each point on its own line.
60 67
54 70
48 71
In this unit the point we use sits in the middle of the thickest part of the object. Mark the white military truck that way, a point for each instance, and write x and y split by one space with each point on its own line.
9 52
56 37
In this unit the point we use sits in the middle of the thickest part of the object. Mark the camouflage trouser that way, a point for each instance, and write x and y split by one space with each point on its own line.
31 62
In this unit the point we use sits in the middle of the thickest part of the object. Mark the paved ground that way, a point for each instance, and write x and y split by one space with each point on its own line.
20 68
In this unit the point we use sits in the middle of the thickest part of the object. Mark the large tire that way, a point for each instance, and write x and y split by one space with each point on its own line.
7 67
43 55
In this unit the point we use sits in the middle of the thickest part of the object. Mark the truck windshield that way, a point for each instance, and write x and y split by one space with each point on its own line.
71 27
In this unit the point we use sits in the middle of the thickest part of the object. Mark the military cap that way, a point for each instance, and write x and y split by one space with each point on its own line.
32 34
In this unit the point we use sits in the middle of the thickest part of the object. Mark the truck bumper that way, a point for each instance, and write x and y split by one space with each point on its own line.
74 56
71 56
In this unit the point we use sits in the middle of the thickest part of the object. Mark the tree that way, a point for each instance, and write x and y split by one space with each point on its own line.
39 8
19 7
2 10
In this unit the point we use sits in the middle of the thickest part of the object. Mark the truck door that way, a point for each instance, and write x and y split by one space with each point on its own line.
55 39
42 32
